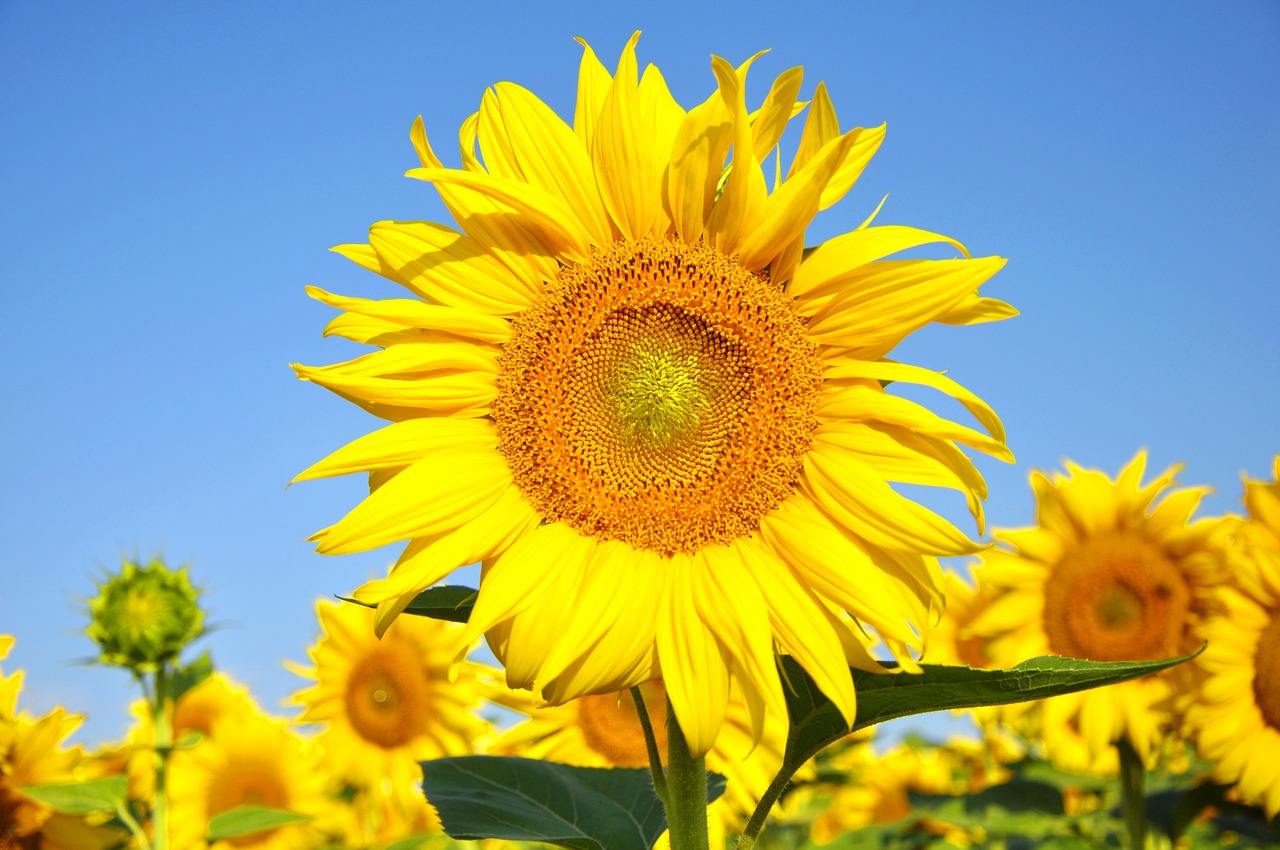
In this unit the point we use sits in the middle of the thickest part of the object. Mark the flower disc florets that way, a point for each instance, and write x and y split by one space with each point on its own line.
145 616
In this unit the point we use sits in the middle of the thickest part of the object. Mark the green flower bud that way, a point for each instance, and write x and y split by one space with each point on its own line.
144 616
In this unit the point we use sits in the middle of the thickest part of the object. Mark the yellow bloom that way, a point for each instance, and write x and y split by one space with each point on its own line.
252 760
1114 570
33 754
1236 715
604 730
195 713
388 704
624 386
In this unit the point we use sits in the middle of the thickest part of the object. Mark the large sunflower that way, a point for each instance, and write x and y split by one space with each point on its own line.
626 387
1237 710
388 704
1114 570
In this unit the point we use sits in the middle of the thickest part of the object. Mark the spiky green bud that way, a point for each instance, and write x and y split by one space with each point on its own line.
144 616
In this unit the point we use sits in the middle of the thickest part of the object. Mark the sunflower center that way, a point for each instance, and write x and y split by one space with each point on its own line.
1116 597
659 394
388 695
1266 679
610 725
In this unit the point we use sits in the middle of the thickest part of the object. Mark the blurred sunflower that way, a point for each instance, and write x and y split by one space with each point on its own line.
251 760
1114 570
1236 714
32 752
387 704
626 387
194 713
603 730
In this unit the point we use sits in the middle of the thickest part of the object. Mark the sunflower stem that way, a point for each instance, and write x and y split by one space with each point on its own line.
162 723
1133 774
686 802
756 824
656 771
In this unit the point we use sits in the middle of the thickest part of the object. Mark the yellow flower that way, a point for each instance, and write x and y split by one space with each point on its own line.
625 387
251 760
1114 570
194 713
1236 715
388 704
604 730
32 753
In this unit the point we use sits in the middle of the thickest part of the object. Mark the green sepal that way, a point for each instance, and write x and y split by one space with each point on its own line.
517 799
449 602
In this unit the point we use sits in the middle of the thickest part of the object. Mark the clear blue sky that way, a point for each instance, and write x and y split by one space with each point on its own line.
171 176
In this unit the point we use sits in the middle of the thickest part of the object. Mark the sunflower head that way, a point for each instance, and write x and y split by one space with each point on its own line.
144 615
624 383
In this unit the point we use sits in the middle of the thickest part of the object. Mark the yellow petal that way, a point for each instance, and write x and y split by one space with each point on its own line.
975 310
628 170
838 260
864 144
697 156
694 668
416 314
742 202
778 107
593 85
439 492
402 443
819 128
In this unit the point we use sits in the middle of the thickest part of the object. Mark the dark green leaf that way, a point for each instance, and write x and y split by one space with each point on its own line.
246 820
81 798
189 676
452 603
816 723
584 808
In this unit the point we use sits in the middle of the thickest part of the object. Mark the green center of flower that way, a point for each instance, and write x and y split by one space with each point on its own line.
659 394
1266 678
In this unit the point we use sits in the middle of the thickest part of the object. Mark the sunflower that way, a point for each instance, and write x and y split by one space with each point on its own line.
387 704
251 760
194 714
1113 571
1236 714
626 387
603 730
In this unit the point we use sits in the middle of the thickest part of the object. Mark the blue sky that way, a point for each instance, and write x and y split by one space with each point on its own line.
172 175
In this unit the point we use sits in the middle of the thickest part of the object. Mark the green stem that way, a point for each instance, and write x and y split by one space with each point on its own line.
761 813
1133 776
122 812
656 772
162 723
686 791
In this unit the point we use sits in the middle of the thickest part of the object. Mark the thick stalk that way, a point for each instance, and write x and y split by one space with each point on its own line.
162 723
686 791
656 773
1133 774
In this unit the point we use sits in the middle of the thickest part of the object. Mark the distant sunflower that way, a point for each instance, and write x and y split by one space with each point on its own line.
195 713
249 760
626 386
1236 715
604 730
32 752
387 704
1113 571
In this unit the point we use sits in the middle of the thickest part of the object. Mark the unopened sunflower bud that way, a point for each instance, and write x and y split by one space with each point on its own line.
144 616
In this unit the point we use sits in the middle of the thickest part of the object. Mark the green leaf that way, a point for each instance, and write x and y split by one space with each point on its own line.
817 723
186 678
584 808
451 602
246 820
81 798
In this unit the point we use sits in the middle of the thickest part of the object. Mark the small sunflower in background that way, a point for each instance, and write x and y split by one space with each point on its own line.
625 385
386 704
603 730
194 714
1114 570
1236 713
251 760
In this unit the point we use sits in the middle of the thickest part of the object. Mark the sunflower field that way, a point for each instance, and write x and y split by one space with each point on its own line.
674 435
